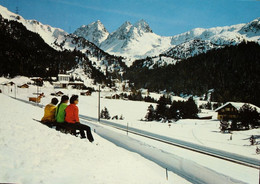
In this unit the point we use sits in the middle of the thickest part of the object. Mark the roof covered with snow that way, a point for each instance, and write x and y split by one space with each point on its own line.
237 105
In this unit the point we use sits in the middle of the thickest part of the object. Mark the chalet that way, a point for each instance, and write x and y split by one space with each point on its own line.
229 110
37 81
76 84
11 83
64 82
87 93
59 93
24 86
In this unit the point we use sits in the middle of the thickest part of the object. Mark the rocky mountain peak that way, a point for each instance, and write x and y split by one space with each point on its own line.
143 26
252 28
94 32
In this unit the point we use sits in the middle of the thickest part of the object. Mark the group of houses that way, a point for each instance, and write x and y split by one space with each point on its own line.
25 85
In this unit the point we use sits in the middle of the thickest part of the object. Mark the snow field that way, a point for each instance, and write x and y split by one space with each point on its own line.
202 132
33 153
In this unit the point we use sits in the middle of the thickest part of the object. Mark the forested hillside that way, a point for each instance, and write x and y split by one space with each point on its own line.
23 52
233 73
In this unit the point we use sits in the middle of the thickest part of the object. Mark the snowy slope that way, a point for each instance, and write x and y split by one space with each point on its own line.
33 153
48 33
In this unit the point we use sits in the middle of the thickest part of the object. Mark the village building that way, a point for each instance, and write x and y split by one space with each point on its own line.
229 111
87 93
64 82
59 93
23 86
11 83
37 81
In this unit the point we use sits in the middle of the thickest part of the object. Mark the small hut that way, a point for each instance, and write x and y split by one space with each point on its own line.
87 93
24 86
59 93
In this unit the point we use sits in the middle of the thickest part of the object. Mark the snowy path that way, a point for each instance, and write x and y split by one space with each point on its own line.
254 163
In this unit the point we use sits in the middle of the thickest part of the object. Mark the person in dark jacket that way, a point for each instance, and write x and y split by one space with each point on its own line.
72 118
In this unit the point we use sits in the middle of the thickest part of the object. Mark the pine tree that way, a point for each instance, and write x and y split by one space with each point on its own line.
150 116
161 109
176 110
190 109
249 116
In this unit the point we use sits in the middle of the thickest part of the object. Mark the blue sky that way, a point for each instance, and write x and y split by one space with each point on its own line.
165 17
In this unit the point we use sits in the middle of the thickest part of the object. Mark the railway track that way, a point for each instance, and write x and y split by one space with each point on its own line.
227 156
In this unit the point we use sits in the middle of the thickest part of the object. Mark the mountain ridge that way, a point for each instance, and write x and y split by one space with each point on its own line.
139 41
60 40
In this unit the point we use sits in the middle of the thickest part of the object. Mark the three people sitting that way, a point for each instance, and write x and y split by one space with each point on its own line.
66 117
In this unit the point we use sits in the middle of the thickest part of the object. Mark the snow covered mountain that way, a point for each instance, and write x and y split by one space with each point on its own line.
61 40
138 40
94 32
133 41
48 33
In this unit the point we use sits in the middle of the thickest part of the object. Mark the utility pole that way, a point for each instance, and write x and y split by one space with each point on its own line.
99 103
37 94
15 91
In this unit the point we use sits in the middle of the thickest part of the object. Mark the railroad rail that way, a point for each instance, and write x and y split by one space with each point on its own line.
227 156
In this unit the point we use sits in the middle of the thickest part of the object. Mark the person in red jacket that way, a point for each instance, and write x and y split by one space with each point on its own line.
72 118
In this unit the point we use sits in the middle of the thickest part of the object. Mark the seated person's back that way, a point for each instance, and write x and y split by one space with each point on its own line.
49 111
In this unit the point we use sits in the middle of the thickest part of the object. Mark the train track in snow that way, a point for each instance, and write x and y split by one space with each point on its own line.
227 156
